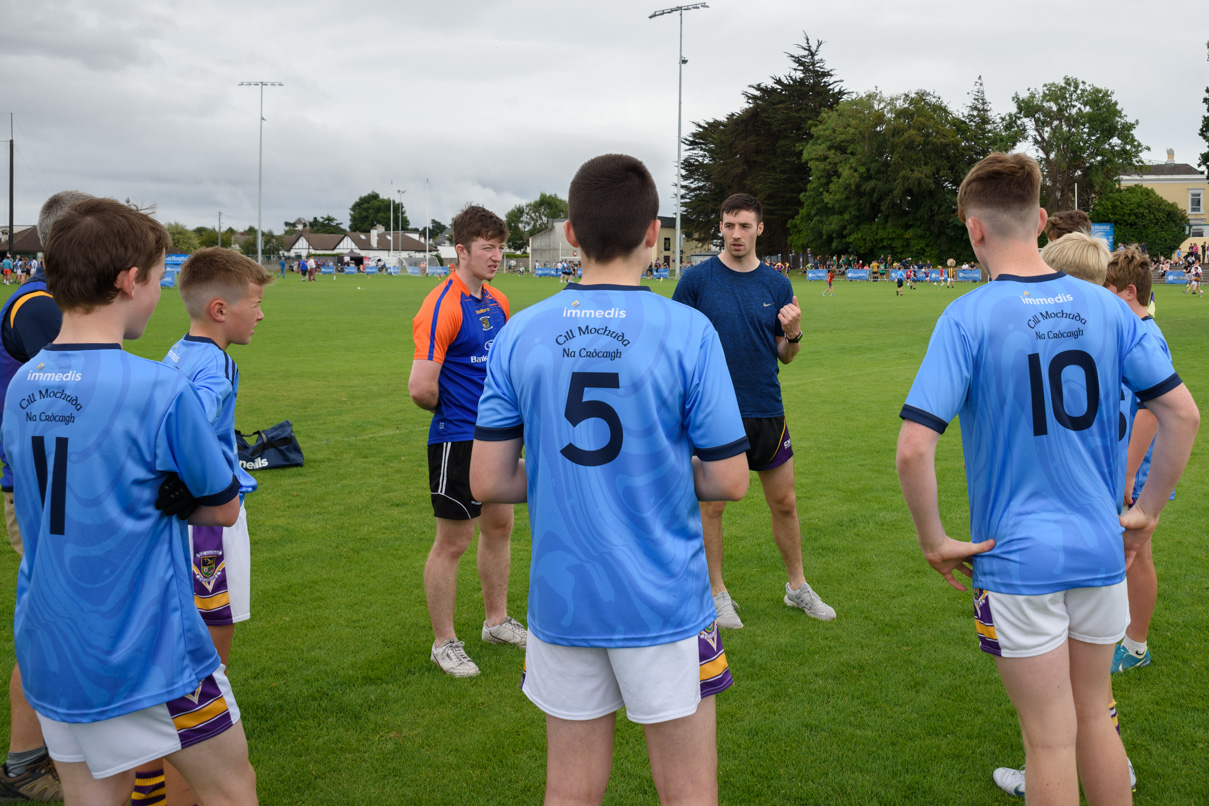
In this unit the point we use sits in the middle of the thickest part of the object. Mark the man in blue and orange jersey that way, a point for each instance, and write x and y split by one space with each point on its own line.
453 331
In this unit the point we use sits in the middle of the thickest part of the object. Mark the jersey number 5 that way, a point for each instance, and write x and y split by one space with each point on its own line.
578 410
58 480
1091 384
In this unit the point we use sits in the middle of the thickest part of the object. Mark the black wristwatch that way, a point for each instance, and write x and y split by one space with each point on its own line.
795 339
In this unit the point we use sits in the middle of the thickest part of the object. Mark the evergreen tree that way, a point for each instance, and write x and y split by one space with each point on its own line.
758 150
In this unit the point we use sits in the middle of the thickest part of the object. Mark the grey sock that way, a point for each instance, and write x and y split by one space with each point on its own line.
18 762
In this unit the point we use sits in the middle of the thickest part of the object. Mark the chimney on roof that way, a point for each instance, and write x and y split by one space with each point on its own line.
373 235
1171 156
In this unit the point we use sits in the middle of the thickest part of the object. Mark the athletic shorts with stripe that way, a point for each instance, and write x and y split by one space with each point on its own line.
222 571
124 742
654 683
1024 626
770 443
449 481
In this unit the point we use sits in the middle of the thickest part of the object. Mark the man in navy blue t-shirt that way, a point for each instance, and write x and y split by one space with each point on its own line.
754 310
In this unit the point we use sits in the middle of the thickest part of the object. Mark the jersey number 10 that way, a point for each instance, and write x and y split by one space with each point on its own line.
1091 384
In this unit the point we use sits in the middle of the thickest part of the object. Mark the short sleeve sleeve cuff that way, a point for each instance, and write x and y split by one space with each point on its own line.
740 445
485 434
924 418
218 499
1159 389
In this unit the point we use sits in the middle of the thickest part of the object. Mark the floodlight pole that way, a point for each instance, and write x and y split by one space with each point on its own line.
260 164
679 113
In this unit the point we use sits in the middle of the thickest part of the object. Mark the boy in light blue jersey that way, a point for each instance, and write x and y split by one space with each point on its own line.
120 668
610 389
1033 364
222 291
1129 277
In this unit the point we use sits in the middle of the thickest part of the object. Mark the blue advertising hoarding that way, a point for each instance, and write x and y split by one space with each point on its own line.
1177 278
858 274
969 275
1106 232
816 274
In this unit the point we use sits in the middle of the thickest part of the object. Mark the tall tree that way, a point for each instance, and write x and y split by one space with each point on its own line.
984 130
1080 136
327 225
372 209
526 220
758 149
184 240
884 178
1205 126
1142 216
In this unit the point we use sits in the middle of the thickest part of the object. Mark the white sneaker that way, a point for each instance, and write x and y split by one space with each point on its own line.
508 631
453 660
1012 781
728 618
806 599
1009 780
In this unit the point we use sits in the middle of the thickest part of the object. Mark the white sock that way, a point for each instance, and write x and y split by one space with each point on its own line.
1134 648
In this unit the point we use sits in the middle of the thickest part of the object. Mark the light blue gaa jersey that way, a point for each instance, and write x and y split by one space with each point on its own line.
105 622
1034 367
612 388
1144 469
216 380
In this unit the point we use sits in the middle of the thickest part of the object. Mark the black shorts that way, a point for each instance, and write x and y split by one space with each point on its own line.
449 481
770 443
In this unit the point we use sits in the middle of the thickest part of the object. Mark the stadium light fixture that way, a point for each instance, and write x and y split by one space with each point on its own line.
679 111
260 163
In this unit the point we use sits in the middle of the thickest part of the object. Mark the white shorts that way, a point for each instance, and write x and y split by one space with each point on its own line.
1014 626
654 683
221 559
124 742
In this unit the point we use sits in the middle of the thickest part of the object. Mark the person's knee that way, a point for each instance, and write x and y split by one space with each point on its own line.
783 503
451 545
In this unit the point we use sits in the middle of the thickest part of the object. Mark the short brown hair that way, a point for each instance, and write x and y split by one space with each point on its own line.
611 203
1079 255
1130 267
218 272
737 202
1066 222
476 222
1004 191
93 242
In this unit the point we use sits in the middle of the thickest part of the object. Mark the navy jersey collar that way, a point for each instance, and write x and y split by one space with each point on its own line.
1038 278
71 348
201 339
607 287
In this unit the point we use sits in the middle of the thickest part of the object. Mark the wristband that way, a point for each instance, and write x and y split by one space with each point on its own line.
796 338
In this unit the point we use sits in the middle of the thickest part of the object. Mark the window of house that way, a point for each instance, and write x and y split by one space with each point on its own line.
1196 232
1196 201
667 244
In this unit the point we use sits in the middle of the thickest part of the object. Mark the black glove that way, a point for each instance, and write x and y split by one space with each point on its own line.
175 498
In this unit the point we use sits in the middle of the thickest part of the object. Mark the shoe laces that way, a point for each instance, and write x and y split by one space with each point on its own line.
456 650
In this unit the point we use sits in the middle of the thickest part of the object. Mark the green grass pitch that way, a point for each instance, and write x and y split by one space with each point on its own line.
890 703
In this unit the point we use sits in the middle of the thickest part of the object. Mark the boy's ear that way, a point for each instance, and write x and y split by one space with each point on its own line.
652 234
976 230
125 281
570 233
217 309
1041 226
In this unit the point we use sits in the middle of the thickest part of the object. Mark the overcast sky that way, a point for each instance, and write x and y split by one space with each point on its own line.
494 102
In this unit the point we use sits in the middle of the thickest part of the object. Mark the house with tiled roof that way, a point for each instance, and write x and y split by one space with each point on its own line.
1179 183
377 243
26 241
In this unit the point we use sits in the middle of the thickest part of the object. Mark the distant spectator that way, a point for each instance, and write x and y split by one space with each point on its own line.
1067 221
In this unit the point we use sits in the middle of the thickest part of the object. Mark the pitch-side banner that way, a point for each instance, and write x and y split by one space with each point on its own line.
858 274
1177 278
816 274
1105 232
934 276
969 275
